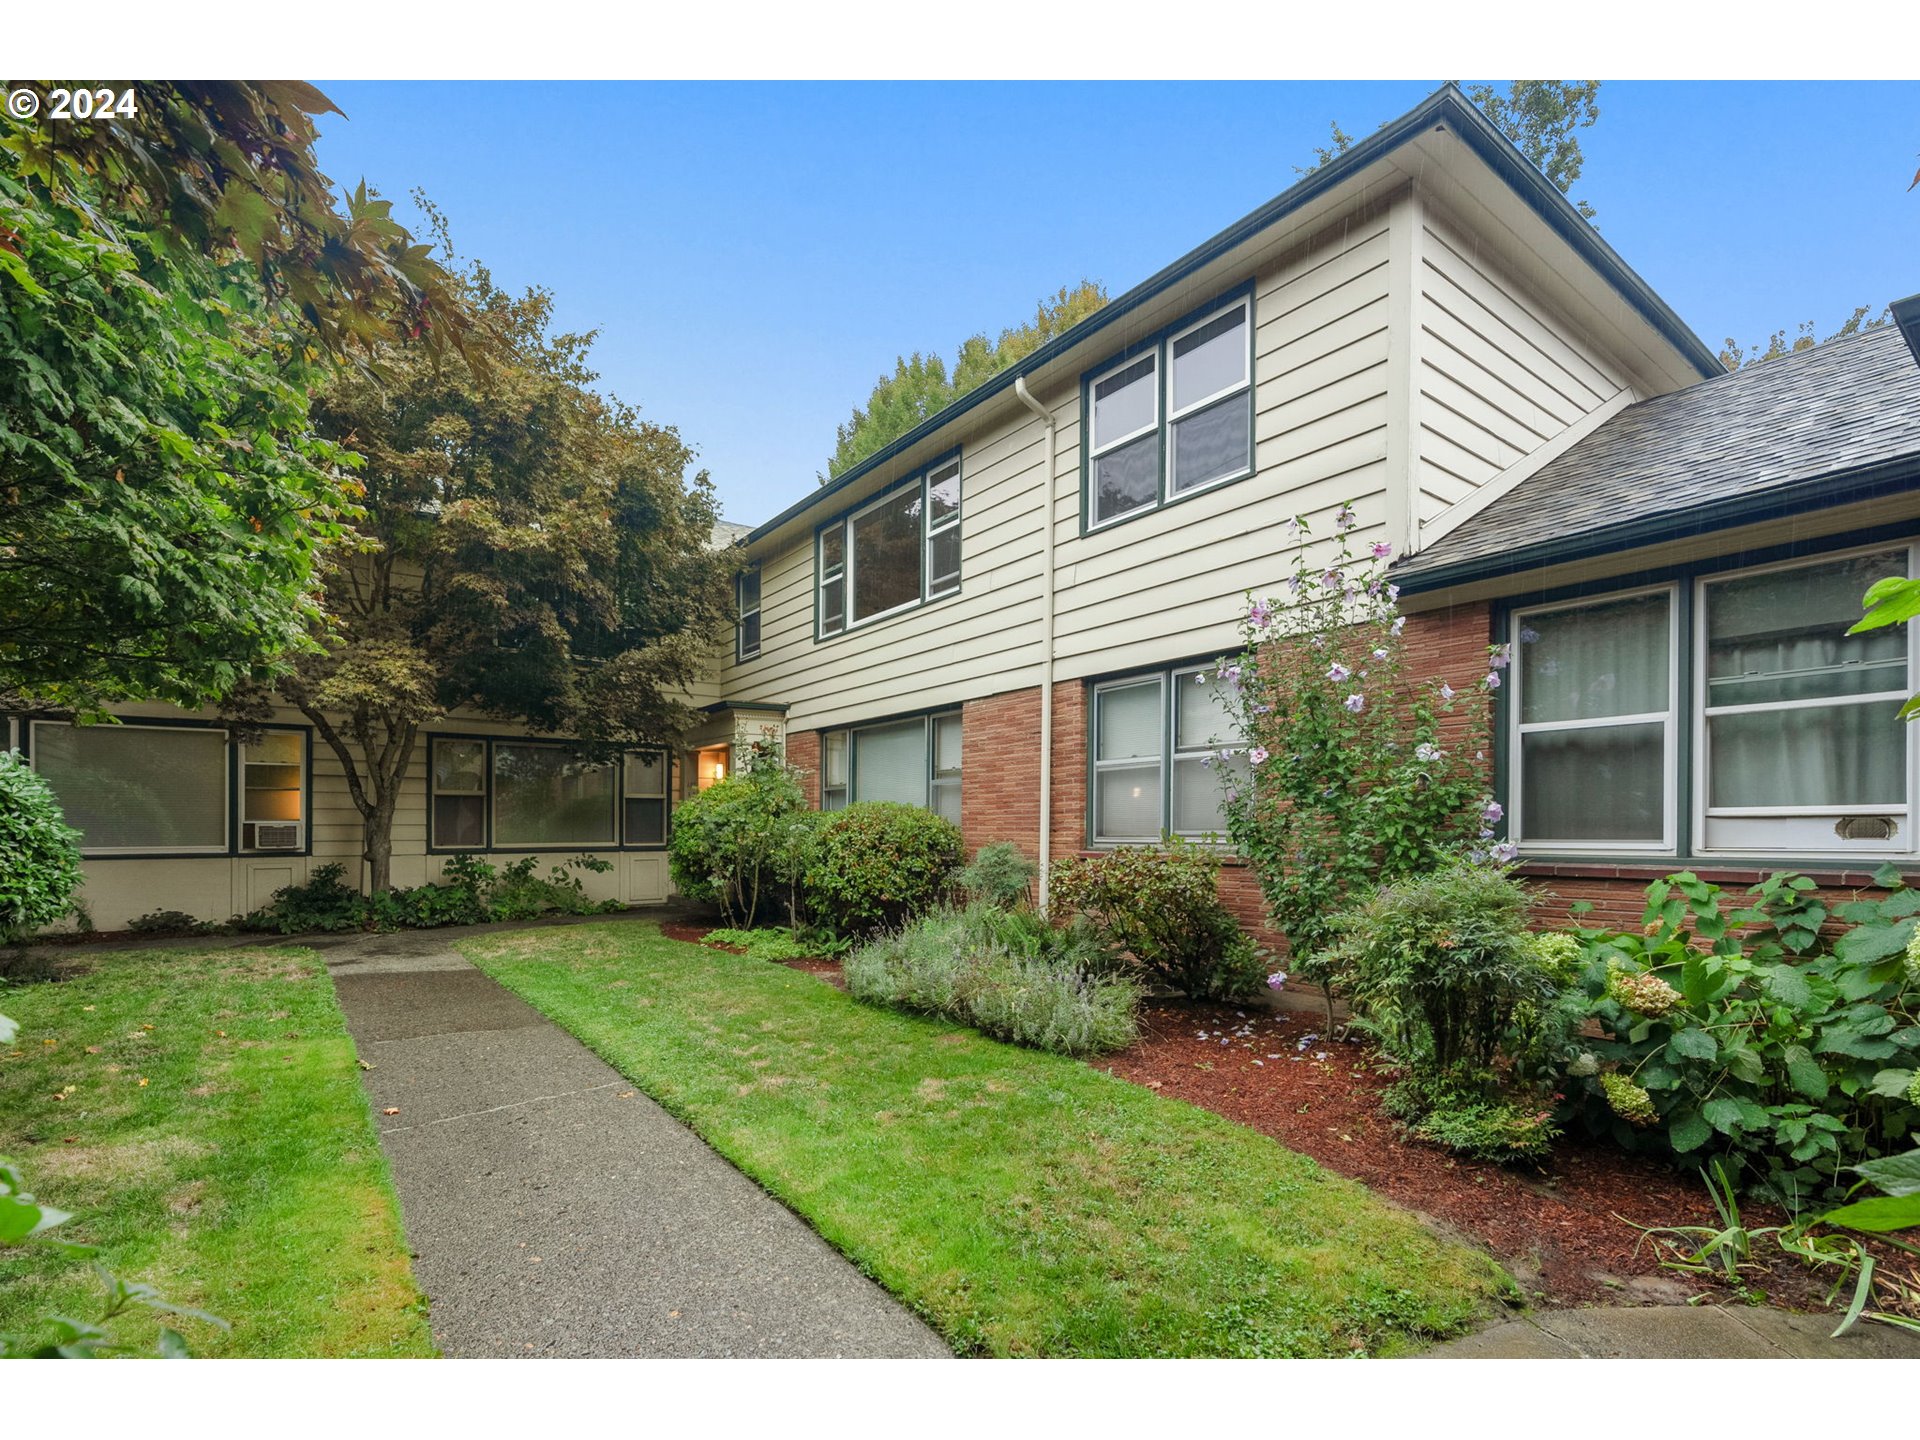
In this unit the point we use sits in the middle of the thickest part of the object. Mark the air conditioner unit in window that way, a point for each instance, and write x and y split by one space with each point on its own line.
279 836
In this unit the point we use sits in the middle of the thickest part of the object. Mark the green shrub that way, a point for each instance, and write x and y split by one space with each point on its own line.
39 852
325 902
1747 1036
1000 874
762 944
876 865
1439 967
1163 908
1495 1130
742 843
169 922
1017 980
426 907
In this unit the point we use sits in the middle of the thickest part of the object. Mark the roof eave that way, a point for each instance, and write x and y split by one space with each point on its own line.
1819 492
1447 106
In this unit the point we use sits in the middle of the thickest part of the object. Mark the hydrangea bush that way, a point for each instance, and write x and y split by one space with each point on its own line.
1349 780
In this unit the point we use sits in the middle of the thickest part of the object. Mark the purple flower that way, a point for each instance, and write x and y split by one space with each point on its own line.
1330 580
1261 614
1293 583
1380 654
1399 624
1501 655
1427 754
1493 680
1338 673
1381 549
1492 812
1257 755
1346 519
1355 703
1506 852
1277 979
1446 691
1393 592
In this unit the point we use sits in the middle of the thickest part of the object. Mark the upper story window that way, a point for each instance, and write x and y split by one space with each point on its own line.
746 630
1165 747
897 551
1787 725
1172 417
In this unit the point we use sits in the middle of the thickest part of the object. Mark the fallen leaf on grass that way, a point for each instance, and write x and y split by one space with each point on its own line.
366 1064
143 1082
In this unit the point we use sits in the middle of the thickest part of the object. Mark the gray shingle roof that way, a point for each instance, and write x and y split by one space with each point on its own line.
1697 458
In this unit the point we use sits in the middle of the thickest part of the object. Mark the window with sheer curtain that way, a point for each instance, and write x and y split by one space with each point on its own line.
1793 724
1800 714
133 788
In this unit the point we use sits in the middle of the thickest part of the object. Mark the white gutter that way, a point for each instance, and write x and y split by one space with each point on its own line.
1046 633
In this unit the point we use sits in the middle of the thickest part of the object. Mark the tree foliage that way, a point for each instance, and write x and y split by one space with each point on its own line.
921 386
1538 116
531 549
164 499
1739 357
216 166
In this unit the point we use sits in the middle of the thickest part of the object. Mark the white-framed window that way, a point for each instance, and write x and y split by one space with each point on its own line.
1124 439
273 792
643 792
746 595
1173 417
1593 723
1165 749
133 789
1787 725
898 550
915 761
1799 743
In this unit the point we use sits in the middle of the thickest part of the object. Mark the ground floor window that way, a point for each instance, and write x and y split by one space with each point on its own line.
1732 704
137 788
1165 749
507 794
916 762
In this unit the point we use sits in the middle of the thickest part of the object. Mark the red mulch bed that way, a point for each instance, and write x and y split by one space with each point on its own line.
1562 1228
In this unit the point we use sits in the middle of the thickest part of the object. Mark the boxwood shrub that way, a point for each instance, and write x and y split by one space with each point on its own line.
876 865
39 852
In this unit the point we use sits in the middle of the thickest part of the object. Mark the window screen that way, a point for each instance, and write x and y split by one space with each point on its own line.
137 787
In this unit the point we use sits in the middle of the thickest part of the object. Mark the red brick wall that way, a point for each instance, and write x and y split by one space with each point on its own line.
803 750
1451 645
1000 770
1069 766
1619 898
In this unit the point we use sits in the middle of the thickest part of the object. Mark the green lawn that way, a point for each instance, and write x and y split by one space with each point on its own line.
201 1114
1024 1203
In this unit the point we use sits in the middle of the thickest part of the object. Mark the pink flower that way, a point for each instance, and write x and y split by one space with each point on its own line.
1261 614
1330 580
1493 680
1338 673
1346 519
1355 703
1381 549
1257 755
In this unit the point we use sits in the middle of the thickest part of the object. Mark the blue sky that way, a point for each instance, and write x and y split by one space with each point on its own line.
754 255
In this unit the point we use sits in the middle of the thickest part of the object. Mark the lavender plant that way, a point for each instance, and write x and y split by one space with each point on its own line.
1358 773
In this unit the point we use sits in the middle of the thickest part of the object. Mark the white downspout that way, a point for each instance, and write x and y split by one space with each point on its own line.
1046 634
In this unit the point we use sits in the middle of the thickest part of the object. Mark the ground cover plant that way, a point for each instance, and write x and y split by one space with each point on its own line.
1024 1203
1007 973
201 1117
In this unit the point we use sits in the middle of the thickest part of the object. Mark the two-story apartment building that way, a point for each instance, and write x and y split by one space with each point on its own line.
992 617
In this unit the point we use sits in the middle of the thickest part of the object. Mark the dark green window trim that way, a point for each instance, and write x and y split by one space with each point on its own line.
487 742
1684 579
845 573
933 777
1165 675
1160 346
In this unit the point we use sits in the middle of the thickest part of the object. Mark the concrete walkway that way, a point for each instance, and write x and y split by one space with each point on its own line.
1679 1332
554 1210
